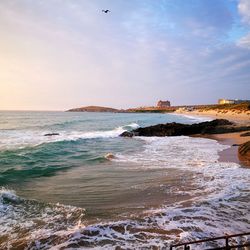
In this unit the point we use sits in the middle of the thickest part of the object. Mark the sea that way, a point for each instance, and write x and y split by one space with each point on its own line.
89 188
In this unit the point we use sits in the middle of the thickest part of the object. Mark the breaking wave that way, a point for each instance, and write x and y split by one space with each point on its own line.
11 139
215 202
26 223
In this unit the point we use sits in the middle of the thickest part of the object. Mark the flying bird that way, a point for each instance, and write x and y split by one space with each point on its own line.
106 11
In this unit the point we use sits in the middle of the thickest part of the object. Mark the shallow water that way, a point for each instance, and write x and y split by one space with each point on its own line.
61 192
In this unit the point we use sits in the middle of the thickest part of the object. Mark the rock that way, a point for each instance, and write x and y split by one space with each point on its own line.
245 134
51 134
109 156
244 152
127 134
217 126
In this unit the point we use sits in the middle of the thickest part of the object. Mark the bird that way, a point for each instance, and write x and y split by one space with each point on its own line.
106 11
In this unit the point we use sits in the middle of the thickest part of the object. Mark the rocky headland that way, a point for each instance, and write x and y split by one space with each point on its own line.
209 129
217 126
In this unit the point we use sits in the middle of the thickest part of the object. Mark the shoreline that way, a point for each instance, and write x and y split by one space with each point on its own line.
242 118
229 154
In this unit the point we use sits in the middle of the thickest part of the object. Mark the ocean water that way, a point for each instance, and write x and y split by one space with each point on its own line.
61 192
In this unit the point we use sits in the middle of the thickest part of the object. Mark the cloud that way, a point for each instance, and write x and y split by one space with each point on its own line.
244 11
244 42
62 54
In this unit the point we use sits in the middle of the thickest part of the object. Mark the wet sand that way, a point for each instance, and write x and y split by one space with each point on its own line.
240 118
230 154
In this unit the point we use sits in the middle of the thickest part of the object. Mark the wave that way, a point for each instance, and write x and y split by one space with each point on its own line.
216 196
215 202
19 175
198 217
26 223
20 139
174 151
41 127
193 118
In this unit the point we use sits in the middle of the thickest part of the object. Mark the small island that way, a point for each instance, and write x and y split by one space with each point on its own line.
94 109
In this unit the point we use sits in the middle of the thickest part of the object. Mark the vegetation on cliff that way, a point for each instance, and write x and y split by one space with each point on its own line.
93 109
245 106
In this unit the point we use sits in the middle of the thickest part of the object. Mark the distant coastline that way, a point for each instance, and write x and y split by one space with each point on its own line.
228 111
93 109
130 110
233 112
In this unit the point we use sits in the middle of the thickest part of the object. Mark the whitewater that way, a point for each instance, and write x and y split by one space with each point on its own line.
60 192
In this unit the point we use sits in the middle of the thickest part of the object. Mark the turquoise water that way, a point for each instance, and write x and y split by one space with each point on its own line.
84 139
61 191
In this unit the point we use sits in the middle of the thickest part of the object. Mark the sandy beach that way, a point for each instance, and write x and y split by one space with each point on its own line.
232 139
242 117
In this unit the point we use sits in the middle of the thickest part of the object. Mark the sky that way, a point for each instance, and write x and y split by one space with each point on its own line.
62 54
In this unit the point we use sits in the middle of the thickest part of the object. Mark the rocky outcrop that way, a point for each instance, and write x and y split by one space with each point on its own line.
244 152
109 156
51 134
245 134
217 126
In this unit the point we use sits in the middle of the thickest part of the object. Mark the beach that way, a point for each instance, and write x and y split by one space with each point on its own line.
122 122
241 117
233 140
238 117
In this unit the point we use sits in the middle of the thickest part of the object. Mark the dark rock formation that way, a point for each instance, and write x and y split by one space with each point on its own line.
245 134
217 126
51 134
244 152
127 134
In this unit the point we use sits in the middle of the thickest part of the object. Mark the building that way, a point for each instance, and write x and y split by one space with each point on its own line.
163 104
227 101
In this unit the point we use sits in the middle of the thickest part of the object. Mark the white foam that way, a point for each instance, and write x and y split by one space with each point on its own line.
194 118
212 212
132 125
10 139
30 221
217 201
8 194
178 152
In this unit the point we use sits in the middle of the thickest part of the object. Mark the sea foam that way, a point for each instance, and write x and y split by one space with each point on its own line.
216 203
12 139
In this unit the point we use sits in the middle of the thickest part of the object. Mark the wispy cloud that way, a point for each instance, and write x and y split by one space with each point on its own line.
244 10
60 54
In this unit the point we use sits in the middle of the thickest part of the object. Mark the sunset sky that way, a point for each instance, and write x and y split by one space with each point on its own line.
60 54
